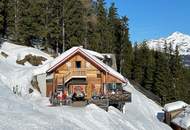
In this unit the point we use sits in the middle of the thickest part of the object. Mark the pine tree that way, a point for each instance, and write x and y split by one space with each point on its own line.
149 68
55 15
14 8
137 68
102 27
3 18
93 35
159 79
74 23
88 15
1 10
186 89
168 74
178 77
127 50
113 23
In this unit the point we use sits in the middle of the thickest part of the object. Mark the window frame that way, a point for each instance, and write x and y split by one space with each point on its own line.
78 64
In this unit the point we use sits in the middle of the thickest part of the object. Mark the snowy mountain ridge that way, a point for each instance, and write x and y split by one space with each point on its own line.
176 39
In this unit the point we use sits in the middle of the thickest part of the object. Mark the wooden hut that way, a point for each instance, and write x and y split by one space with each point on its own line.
78 69
175 115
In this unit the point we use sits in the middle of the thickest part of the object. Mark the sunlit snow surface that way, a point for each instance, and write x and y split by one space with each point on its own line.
33 111
176 39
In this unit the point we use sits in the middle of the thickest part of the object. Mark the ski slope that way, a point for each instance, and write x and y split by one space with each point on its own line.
31 111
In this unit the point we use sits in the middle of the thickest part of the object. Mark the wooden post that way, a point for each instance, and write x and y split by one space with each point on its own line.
54 83
105 81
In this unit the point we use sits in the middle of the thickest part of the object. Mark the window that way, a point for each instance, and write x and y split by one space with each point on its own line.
78 64
98 75
114 86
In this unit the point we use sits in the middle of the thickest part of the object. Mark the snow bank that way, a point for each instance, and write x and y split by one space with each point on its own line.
19 52
21 114
16 76
174 106
183 119
142 112
42 69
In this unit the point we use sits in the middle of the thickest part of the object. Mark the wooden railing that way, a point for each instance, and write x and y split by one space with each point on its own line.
74 73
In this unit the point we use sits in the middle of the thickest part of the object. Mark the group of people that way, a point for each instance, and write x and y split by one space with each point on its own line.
61 98
78 96
58 98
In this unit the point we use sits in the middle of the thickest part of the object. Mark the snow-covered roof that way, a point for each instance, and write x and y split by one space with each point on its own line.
69 53
183 119
175 106
96 54
107 55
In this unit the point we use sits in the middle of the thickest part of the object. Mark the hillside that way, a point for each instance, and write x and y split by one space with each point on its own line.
31 111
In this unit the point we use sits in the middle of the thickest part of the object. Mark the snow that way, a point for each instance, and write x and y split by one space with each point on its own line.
174 106
142 112
32 111
19 52
42 69
176 39
183 119
14 75
96 54
63 56
27 113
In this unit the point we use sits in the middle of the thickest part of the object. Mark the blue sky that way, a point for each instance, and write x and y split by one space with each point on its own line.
152 19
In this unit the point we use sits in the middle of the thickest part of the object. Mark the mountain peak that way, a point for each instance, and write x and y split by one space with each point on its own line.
177 39
177 33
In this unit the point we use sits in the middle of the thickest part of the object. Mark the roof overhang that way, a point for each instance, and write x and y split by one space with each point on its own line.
78 50
89 57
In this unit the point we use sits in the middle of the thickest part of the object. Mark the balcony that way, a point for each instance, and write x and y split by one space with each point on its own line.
76 73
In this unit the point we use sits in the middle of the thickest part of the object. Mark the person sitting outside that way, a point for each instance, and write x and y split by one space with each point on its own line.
74 96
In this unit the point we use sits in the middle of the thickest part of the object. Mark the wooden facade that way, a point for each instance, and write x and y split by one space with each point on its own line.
80 72
171 115
177 127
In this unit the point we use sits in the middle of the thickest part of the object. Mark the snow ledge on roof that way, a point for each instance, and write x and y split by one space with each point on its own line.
175 106
183 119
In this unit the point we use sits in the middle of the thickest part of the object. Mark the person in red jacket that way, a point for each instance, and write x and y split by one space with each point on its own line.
62 97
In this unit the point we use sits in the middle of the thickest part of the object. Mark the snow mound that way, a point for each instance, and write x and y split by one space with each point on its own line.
174 106
183 119
14 75
142 112
18 52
